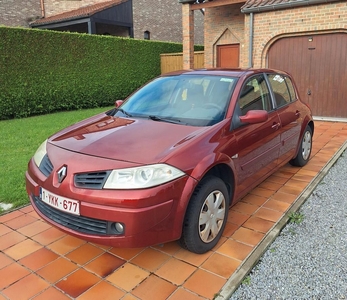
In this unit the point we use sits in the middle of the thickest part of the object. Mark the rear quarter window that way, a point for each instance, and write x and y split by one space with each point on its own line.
291 89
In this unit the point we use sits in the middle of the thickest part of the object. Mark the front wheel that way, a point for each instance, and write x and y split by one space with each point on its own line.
305 149
206 216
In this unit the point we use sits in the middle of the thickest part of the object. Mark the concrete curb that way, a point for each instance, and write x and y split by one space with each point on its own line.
247 265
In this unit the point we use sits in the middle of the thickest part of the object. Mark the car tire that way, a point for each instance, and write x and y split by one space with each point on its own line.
304 152
206 216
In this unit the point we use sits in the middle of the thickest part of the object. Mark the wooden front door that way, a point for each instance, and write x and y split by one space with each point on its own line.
228 56
318 65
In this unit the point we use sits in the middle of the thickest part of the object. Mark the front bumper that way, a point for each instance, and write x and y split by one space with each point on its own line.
150 216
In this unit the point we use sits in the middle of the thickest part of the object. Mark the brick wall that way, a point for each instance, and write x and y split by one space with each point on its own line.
163 19
19 13
227 25
54 7
223 25
271 26
188 36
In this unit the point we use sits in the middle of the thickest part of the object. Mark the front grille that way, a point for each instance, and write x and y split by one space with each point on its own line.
46 167
94 180
77 223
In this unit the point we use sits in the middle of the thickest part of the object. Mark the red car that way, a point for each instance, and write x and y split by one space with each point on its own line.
168 162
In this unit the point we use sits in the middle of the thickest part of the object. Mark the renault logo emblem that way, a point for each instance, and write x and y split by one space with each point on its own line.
62 174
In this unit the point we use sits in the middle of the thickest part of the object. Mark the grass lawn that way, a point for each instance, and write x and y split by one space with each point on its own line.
19 140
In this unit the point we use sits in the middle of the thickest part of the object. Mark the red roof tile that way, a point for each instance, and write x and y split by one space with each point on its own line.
81 12
263 5
258 3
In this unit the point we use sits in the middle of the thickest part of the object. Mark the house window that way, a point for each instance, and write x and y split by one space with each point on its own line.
147 35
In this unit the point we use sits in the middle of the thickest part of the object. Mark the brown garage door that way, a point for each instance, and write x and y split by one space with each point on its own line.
318 64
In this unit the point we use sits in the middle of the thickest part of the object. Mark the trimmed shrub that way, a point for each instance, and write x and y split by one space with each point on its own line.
44 71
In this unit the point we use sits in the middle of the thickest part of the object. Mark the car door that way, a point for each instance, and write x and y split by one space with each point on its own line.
258 144
288 109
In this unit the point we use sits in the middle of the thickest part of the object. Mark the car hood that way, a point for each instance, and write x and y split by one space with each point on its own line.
140 141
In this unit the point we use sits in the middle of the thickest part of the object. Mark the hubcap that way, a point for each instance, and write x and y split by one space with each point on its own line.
306 145
212 216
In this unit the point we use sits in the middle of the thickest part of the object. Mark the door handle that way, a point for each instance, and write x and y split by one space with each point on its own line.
308 92
276 126
297 113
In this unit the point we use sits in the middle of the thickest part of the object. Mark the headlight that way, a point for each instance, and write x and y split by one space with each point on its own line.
40 153
141 177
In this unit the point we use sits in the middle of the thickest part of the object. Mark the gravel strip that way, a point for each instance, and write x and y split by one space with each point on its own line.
308 260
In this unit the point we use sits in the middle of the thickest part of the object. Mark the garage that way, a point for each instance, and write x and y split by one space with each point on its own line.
318 64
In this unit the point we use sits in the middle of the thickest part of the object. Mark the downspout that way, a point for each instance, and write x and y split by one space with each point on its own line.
250 49
42 9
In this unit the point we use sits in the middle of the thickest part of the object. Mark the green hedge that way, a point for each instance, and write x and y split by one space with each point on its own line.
44 71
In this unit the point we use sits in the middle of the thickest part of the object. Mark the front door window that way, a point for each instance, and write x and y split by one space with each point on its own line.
255 95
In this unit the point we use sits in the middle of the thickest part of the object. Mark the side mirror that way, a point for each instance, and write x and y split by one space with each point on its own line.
254 117
118 103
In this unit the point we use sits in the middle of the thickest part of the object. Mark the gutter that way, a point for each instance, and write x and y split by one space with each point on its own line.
285 5
186 1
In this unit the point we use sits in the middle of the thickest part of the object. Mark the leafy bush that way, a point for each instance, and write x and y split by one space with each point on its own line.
44 71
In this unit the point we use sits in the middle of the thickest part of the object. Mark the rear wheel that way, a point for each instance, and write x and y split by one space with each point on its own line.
206 216
305 149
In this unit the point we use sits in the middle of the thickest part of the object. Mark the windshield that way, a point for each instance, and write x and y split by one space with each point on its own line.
196 100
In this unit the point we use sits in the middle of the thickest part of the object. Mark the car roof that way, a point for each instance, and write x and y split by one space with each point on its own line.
222 72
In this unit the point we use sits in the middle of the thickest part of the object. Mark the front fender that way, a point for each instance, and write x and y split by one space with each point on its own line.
209 162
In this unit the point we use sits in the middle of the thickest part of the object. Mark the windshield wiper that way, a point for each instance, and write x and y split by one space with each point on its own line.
156 118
